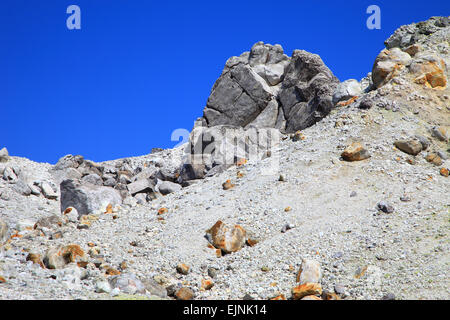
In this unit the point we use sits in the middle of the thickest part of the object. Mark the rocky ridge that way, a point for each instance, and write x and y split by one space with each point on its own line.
356 207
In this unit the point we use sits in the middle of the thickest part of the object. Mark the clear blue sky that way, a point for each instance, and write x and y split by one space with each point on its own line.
137 70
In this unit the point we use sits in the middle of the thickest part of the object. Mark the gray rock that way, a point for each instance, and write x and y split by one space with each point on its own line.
141 198
154 288
346 90
87 198
166 187
141 186
35 190
250 88
102 286
69 161
385 207
424 141
306 91
127 283
92 178
310 272
22 188
4 155
48 191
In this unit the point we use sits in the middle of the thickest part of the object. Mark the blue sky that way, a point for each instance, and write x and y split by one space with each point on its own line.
137 70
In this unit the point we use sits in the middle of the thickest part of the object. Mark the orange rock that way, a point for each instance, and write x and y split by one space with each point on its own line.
82 264
361 272
207 284
109 209
330 296
35 258
306 289
280 297
355 152
227 185
183 268
347 102
112 272
434 159
2 279
91 244
241 162
251 242
239 174
162 211
228 239
444 172
287 209
218 253
431 74
72 253
184 294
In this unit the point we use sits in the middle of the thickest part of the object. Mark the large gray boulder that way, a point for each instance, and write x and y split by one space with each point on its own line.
264 88
87 198
306 92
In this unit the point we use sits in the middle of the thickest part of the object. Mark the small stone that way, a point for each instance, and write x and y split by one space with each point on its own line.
102 286
412 147
441 133
112 272
297 136
287 227
251 242
389 296
330 296
212 272
434 159
444 172
282 178
184 294
309 272
228 239
385 207
48 192
355 152
56 235
183 269
353 194
227 185
339 289
207 284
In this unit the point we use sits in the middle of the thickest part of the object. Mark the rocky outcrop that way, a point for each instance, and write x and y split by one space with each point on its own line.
266 88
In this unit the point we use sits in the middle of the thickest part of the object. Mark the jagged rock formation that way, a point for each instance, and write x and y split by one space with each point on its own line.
265 88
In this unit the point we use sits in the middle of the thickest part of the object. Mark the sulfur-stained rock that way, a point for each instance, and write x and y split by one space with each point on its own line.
444 172
58 257
434 159
355 152
184 294
183 268
228 239
306 289
388 64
